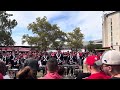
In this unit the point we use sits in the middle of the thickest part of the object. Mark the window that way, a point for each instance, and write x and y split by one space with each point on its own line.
111 21
116 43
111 34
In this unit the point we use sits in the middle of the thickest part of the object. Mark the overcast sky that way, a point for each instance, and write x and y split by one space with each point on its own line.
90 22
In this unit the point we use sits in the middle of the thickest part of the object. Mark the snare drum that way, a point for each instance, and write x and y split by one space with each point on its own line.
12 73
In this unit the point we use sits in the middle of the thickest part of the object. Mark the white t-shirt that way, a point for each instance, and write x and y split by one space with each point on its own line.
6 77
78 56
39 62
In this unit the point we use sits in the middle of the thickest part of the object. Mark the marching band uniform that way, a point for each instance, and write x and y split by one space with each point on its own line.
70 62
1 56
70 59
7 60
65 56
44 59
75 58
59 58
4 58
17 63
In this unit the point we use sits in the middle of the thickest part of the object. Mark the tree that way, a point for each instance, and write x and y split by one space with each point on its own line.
98 46
75 39
91 46
6 26
45 34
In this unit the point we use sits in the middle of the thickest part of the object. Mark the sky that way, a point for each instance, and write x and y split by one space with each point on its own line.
90 22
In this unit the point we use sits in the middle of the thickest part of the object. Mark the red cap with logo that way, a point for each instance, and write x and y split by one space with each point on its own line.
91 60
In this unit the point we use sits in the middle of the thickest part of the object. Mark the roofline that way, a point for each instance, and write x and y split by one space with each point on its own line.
16 46
111 13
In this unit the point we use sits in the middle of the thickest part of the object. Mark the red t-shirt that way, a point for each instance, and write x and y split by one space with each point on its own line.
80 54
99 75
1 76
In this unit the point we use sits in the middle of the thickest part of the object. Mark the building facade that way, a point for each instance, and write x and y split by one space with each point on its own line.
111 30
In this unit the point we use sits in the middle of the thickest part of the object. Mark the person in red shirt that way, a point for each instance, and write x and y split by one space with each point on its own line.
111 63
2 69
1 76
93 65
61 71
52 70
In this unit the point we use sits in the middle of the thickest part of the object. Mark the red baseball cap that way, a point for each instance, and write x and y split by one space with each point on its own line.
91 60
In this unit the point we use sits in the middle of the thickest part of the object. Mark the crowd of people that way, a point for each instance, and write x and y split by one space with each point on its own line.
58 65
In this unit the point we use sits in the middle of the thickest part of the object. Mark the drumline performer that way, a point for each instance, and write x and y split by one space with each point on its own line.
59 58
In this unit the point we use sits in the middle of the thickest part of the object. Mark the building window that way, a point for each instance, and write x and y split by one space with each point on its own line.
111 34
111 21
116 43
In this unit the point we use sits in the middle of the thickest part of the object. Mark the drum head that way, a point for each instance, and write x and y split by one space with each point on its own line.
13 69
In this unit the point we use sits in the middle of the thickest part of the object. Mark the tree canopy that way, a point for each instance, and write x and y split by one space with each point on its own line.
75 39
6 26
91 46
45 36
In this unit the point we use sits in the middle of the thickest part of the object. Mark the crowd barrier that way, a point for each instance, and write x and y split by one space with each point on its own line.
74 67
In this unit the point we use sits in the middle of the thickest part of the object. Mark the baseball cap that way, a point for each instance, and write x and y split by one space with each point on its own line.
111 57
91 60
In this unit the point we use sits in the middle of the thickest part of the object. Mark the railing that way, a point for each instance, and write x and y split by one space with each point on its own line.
12 72
74 67
64 65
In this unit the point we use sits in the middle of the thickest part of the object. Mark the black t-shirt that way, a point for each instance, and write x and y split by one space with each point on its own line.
65 56
1 56
11 57
115 78
82 75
